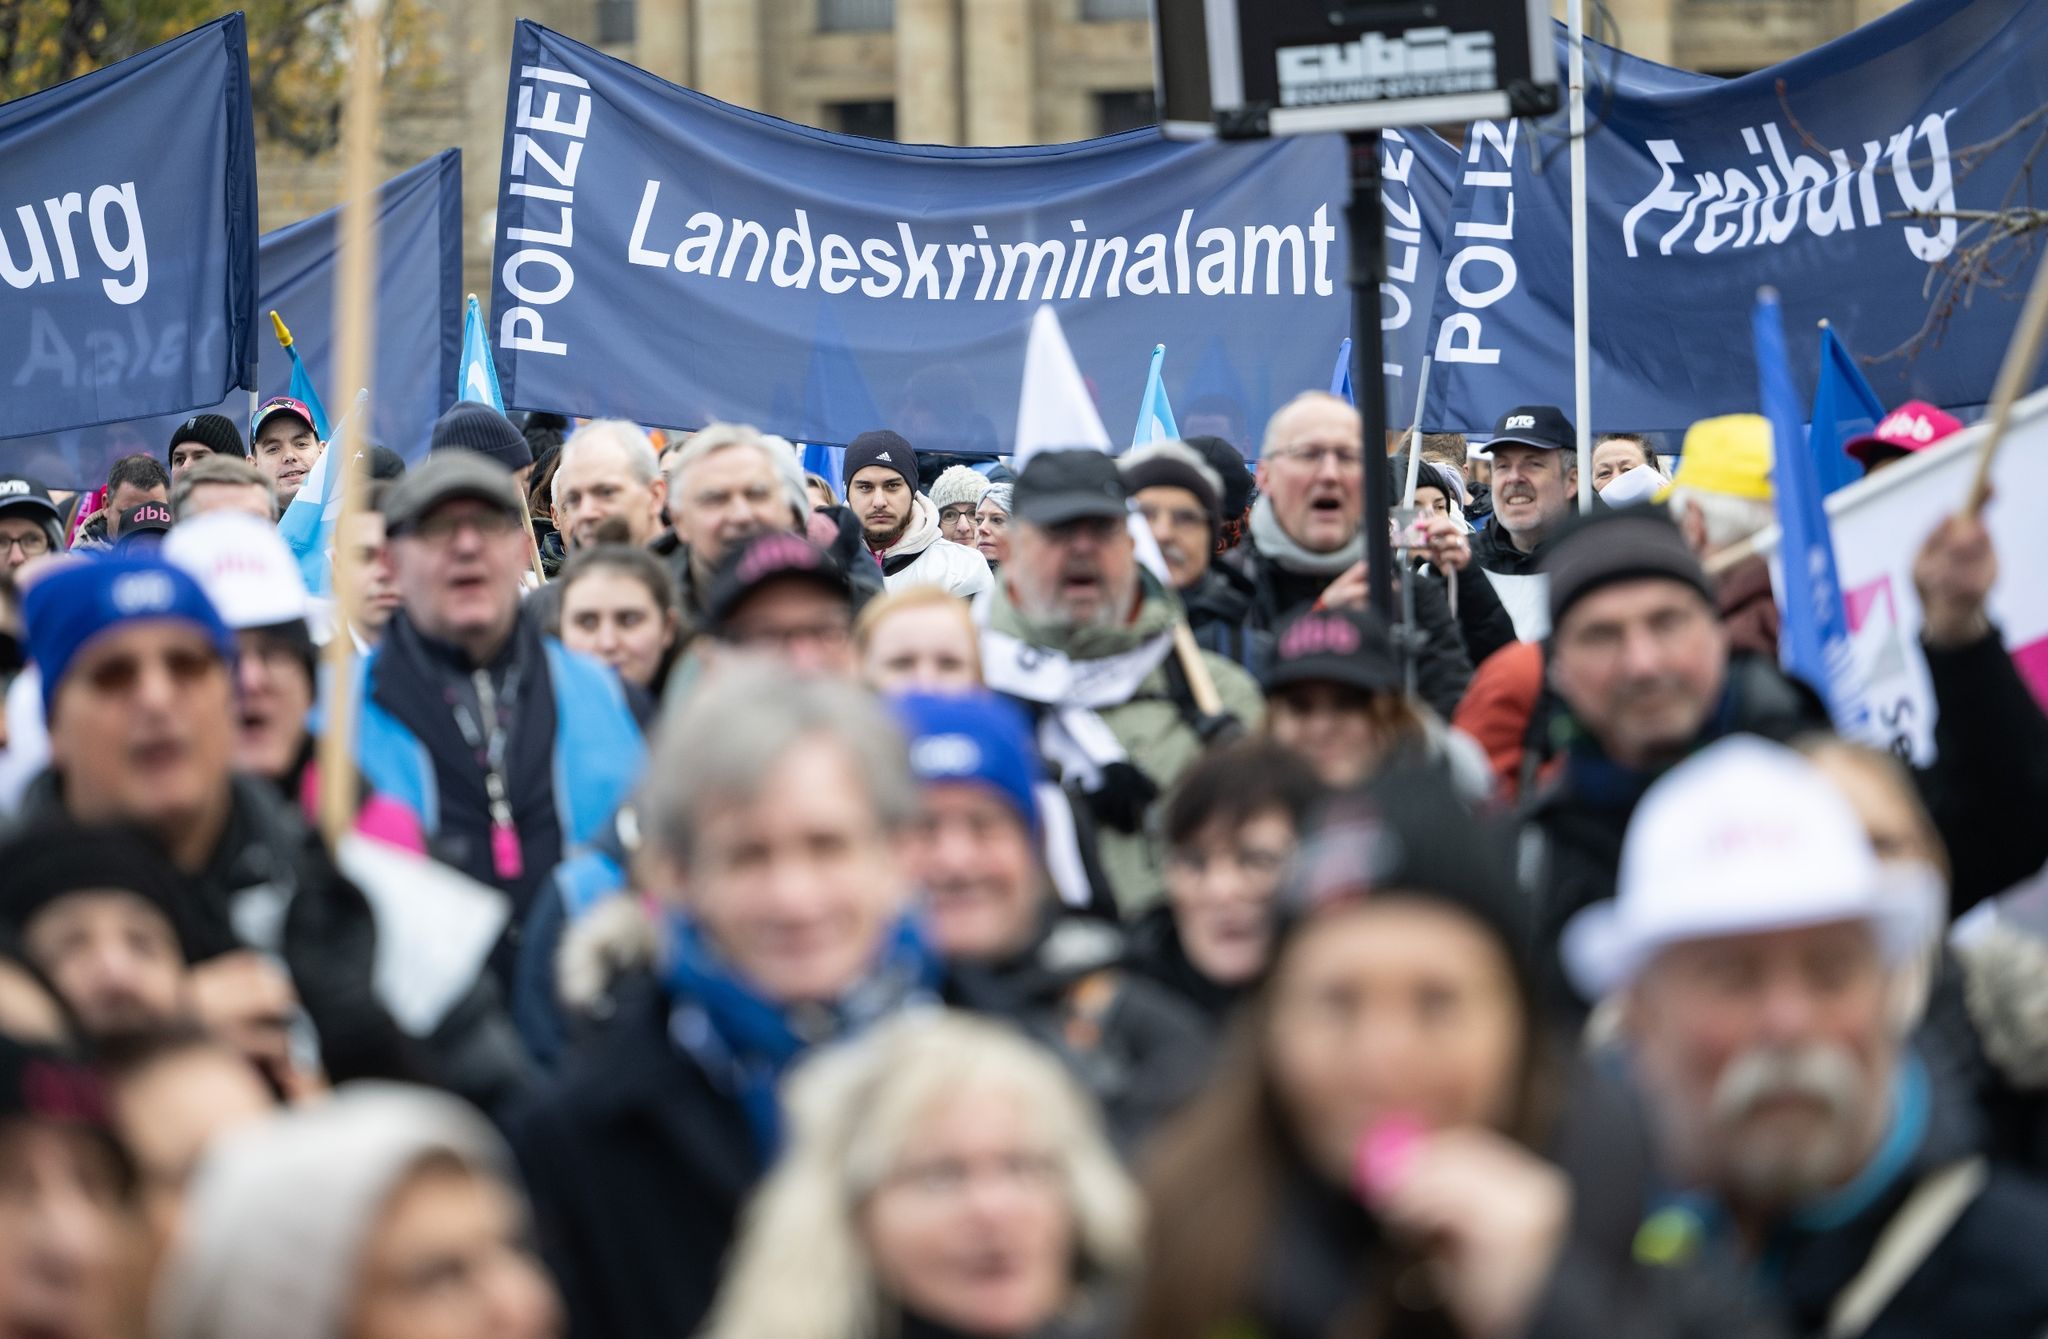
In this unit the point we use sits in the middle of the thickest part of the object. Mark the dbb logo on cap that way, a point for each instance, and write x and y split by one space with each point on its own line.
1319 636
1520 421
143 593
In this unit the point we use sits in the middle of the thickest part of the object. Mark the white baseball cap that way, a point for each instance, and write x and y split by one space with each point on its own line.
1743 838
244 567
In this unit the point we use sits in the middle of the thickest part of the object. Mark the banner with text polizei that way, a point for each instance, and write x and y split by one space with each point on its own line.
128 237
1836 177
418 340
665 257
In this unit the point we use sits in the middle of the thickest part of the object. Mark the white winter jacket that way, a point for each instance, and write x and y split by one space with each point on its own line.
924 557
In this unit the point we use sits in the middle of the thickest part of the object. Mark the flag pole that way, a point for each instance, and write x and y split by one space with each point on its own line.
2022 356
1582 354
357 264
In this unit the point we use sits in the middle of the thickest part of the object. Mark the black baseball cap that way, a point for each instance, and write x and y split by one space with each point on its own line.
445 476
1061 486
776 556
144 525
1542 426
19 492
1351 647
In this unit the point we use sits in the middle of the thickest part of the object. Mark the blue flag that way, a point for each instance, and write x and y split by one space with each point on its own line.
302 388
1155 415
128 240
419 330
302 391
1340 375
1843 406
1814 637
479 377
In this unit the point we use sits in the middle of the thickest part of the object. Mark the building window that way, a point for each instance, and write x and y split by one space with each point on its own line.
856 16
615 21
876 120
1111 11
1125 110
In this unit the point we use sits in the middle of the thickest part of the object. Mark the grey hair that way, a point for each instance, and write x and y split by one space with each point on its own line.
780 453
1272 438
853 1111
218 469
638 447
1728 520
718 743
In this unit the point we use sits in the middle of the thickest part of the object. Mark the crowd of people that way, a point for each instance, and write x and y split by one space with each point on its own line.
1032 899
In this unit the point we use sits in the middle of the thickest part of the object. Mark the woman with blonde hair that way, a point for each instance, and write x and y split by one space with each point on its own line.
944 1177
921 640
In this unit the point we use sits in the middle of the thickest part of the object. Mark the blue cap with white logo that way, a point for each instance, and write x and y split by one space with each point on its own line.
69 608
976 737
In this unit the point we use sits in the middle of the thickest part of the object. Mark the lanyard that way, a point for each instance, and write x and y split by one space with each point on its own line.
507 861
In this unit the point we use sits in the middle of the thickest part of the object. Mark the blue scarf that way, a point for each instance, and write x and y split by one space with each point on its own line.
745 1043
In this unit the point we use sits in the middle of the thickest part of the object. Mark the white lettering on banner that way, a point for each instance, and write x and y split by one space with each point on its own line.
1404 235
1265 259
1418 63
130 257
110 357
1780 192
543 171
1458 338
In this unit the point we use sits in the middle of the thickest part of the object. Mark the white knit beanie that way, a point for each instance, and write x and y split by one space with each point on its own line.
957 483
278 1217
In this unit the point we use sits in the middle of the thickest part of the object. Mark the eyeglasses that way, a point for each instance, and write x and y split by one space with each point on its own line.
442 527
782 639
1314 457
32 545
118 676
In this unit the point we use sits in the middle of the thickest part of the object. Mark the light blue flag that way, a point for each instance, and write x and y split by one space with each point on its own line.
1814 636
477 378
1340 375
1843 407
301 388
307 525
1155 415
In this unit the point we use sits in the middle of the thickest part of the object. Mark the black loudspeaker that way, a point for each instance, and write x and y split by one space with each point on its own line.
1252 68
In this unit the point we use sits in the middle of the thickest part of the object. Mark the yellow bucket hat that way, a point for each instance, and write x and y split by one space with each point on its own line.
1729 455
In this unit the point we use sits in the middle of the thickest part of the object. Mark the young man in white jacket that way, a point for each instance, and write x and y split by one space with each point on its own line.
901 525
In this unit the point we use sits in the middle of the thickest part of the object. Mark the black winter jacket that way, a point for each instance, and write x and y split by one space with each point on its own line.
1442 666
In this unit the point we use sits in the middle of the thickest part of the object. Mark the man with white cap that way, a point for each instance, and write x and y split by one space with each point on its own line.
1757 949
245 569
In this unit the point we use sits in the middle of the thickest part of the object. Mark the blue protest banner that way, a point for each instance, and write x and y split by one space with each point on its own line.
418 343
668 258
128 237
1834 177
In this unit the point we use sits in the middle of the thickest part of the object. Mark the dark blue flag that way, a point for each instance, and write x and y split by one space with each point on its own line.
128 237
418 330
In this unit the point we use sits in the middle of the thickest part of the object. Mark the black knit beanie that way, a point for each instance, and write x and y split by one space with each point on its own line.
880 447
51 859
478 427
1619 545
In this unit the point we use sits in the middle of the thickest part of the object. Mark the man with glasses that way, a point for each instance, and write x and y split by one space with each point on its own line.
1306 545
783 596
1081 636
30 524
512 750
